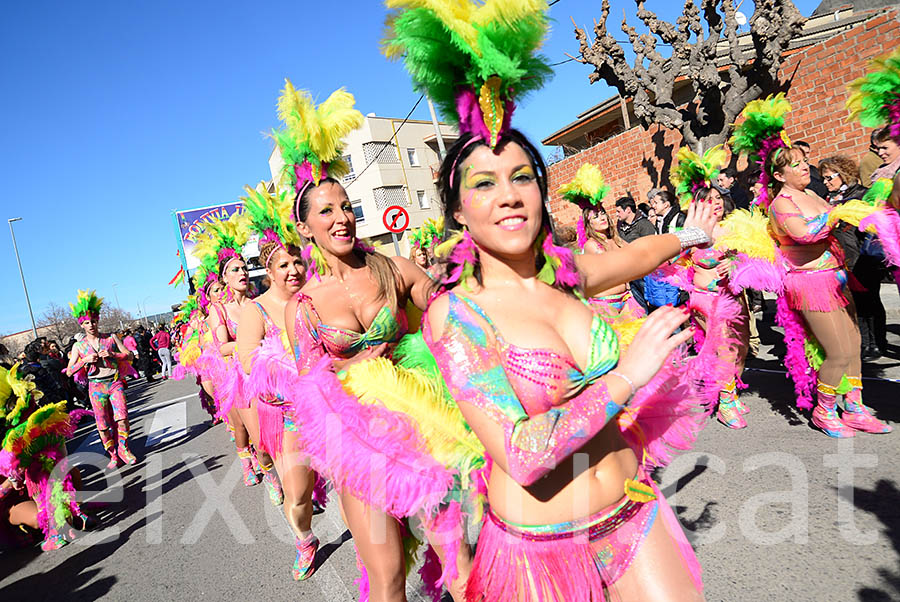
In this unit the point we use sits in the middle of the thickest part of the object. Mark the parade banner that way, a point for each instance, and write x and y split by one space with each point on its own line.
189 222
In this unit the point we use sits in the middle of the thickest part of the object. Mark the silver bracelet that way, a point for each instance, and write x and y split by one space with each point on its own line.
626 379
692 237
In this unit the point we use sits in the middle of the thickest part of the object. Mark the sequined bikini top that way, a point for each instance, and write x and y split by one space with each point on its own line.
543 378
342 342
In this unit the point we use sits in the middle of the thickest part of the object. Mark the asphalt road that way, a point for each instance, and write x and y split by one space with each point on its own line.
776 511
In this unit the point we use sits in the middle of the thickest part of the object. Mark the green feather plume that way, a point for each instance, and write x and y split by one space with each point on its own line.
86 303
762 119
447 45
270 213
880 192
872 95
692 171
588 186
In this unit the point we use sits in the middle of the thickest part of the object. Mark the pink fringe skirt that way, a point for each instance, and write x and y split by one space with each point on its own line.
816 290
271 425
576 560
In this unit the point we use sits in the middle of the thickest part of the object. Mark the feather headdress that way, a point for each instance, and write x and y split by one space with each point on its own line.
269 216
761 134
692 172
428 235
310 142
87 305
473 59
587 189
221 240
22 389
190 305
204 275
875 98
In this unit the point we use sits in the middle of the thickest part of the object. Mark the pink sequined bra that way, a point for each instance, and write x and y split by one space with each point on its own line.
543 378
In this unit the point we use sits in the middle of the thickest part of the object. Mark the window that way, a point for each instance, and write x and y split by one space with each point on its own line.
385 152
358 212
388 196
351 173
413 157
424 203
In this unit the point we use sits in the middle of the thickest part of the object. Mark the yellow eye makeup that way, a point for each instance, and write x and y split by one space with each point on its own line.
523 171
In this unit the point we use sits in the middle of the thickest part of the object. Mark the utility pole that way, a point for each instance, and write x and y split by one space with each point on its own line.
22 273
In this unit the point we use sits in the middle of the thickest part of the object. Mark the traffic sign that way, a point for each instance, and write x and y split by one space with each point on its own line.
395 218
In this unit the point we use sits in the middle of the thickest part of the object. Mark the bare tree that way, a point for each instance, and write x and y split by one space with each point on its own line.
724 76
59 323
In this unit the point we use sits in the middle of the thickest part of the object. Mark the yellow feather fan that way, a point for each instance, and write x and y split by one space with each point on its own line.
852 212
747 233
410 392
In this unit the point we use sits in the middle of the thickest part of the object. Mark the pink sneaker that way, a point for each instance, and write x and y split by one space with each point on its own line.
54 541
829 423
273 487
742 407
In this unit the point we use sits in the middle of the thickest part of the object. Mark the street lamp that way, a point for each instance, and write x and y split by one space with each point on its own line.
144 303
118 305
21 273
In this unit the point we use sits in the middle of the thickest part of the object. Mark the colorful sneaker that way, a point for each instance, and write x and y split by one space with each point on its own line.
729 415
273 487
742 407
54 541
126 454
304 563
829 423
862 419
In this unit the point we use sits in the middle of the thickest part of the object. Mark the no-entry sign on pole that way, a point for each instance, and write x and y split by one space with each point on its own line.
396 218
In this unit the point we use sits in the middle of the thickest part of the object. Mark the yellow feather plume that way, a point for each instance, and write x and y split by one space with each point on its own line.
852 212
747 233
588 183
410 392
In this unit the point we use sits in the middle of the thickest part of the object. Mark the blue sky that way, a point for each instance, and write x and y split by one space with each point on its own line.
116 113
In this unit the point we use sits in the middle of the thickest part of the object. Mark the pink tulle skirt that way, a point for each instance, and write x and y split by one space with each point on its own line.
576 560
816 290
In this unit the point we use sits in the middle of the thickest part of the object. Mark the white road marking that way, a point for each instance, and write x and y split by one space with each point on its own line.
168 423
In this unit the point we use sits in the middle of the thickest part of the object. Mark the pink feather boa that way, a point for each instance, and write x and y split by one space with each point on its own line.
365 450
759 274
795 361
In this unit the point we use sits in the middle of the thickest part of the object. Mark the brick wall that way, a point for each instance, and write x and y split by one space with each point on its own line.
637 160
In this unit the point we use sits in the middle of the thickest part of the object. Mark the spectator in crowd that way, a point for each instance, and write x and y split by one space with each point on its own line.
862 254
728 182
815 178
160 342
756 187
888 150
669 216
646 210
630 224
869 162
146 362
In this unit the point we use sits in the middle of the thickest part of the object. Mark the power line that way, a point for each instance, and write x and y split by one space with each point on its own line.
375 158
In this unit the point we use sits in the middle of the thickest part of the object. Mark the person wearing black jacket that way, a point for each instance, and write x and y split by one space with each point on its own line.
816 182
632 226
728 180
669 216
145 357
862 254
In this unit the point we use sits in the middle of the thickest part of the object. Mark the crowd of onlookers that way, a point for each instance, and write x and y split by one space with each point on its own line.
837 179
45 360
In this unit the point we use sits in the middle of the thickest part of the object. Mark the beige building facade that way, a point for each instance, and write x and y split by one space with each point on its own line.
403 162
